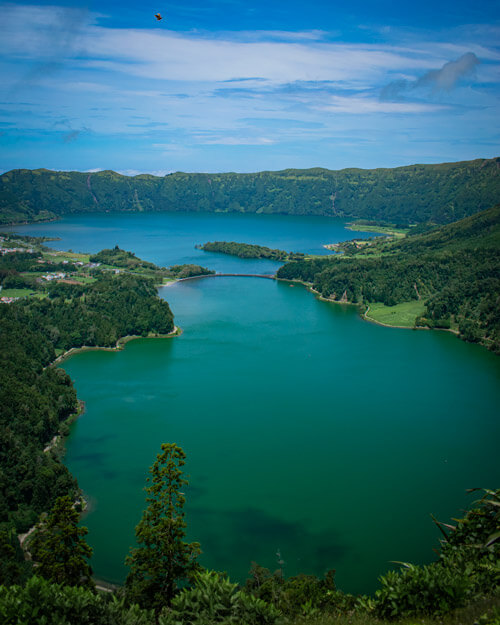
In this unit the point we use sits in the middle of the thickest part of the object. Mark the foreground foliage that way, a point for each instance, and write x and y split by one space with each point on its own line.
465 577
468 568
214 599
41 602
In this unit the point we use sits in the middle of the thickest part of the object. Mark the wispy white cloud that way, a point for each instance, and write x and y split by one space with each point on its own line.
360 105
183 58
41 33
270 35
228 140
138 172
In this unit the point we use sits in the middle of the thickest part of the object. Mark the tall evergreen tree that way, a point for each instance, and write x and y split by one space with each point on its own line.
58 548
164 562
13 568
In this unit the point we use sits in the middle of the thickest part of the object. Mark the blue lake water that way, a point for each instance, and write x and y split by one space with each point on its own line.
169 238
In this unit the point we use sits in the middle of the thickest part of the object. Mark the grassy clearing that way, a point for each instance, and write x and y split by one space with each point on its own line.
369 252
389 230
399 315
84 279
15 292
69 256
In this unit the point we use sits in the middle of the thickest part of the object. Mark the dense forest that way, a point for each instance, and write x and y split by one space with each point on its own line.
37 398
117 257
249 250
455 269
413 194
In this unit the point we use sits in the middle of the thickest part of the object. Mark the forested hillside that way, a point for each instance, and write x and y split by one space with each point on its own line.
454 269
418 193
36 398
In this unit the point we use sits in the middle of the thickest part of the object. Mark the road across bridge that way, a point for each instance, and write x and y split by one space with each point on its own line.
237 275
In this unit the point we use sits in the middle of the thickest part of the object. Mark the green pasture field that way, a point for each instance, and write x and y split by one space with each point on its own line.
403 314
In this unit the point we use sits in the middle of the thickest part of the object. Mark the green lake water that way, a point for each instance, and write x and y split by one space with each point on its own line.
306 429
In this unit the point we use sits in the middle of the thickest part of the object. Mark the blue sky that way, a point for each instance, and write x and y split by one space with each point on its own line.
226 85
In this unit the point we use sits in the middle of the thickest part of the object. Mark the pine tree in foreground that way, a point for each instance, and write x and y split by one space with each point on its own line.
164 562
58 548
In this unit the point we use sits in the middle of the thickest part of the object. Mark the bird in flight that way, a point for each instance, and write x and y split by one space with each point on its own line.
158 16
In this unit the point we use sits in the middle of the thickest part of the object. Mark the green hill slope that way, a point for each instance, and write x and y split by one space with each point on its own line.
478 231
454 270
418 193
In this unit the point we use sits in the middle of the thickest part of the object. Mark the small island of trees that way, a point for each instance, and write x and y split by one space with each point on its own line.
249 250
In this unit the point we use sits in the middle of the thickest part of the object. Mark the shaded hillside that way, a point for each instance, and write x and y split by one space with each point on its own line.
413 194
478 231
455 269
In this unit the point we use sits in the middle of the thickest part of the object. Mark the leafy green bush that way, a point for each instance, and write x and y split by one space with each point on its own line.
490 619
41 603
214 599
468 567
302 595
433 590
473 545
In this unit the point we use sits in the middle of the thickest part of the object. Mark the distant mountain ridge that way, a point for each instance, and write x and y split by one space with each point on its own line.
440 193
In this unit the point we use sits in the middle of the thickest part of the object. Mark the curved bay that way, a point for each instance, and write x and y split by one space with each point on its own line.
307 430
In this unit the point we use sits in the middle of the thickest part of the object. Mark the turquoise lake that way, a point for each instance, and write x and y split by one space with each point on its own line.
307 430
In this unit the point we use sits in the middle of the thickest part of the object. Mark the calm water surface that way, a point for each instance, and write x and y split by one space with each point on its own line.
169 238
307 430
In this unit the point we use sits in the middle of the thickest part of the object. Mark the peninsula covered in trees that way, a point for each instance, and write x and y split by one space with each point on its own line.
453 272
440 193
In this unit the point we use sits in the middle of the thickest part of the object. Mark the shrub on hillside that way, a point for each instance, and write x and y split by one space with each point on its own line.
41 602
215 600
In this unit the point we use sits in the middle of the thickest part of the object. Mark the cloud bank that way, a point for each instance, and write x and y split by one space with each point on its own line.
443 79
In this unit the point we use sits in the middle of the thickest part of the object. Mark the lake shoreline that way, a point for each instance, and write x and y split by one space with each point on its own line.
363 315
120 344
388 325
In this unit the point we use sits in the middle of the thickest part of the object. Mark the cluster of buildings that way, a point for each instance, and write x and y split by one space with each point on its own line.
54 276
11 250
57 276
